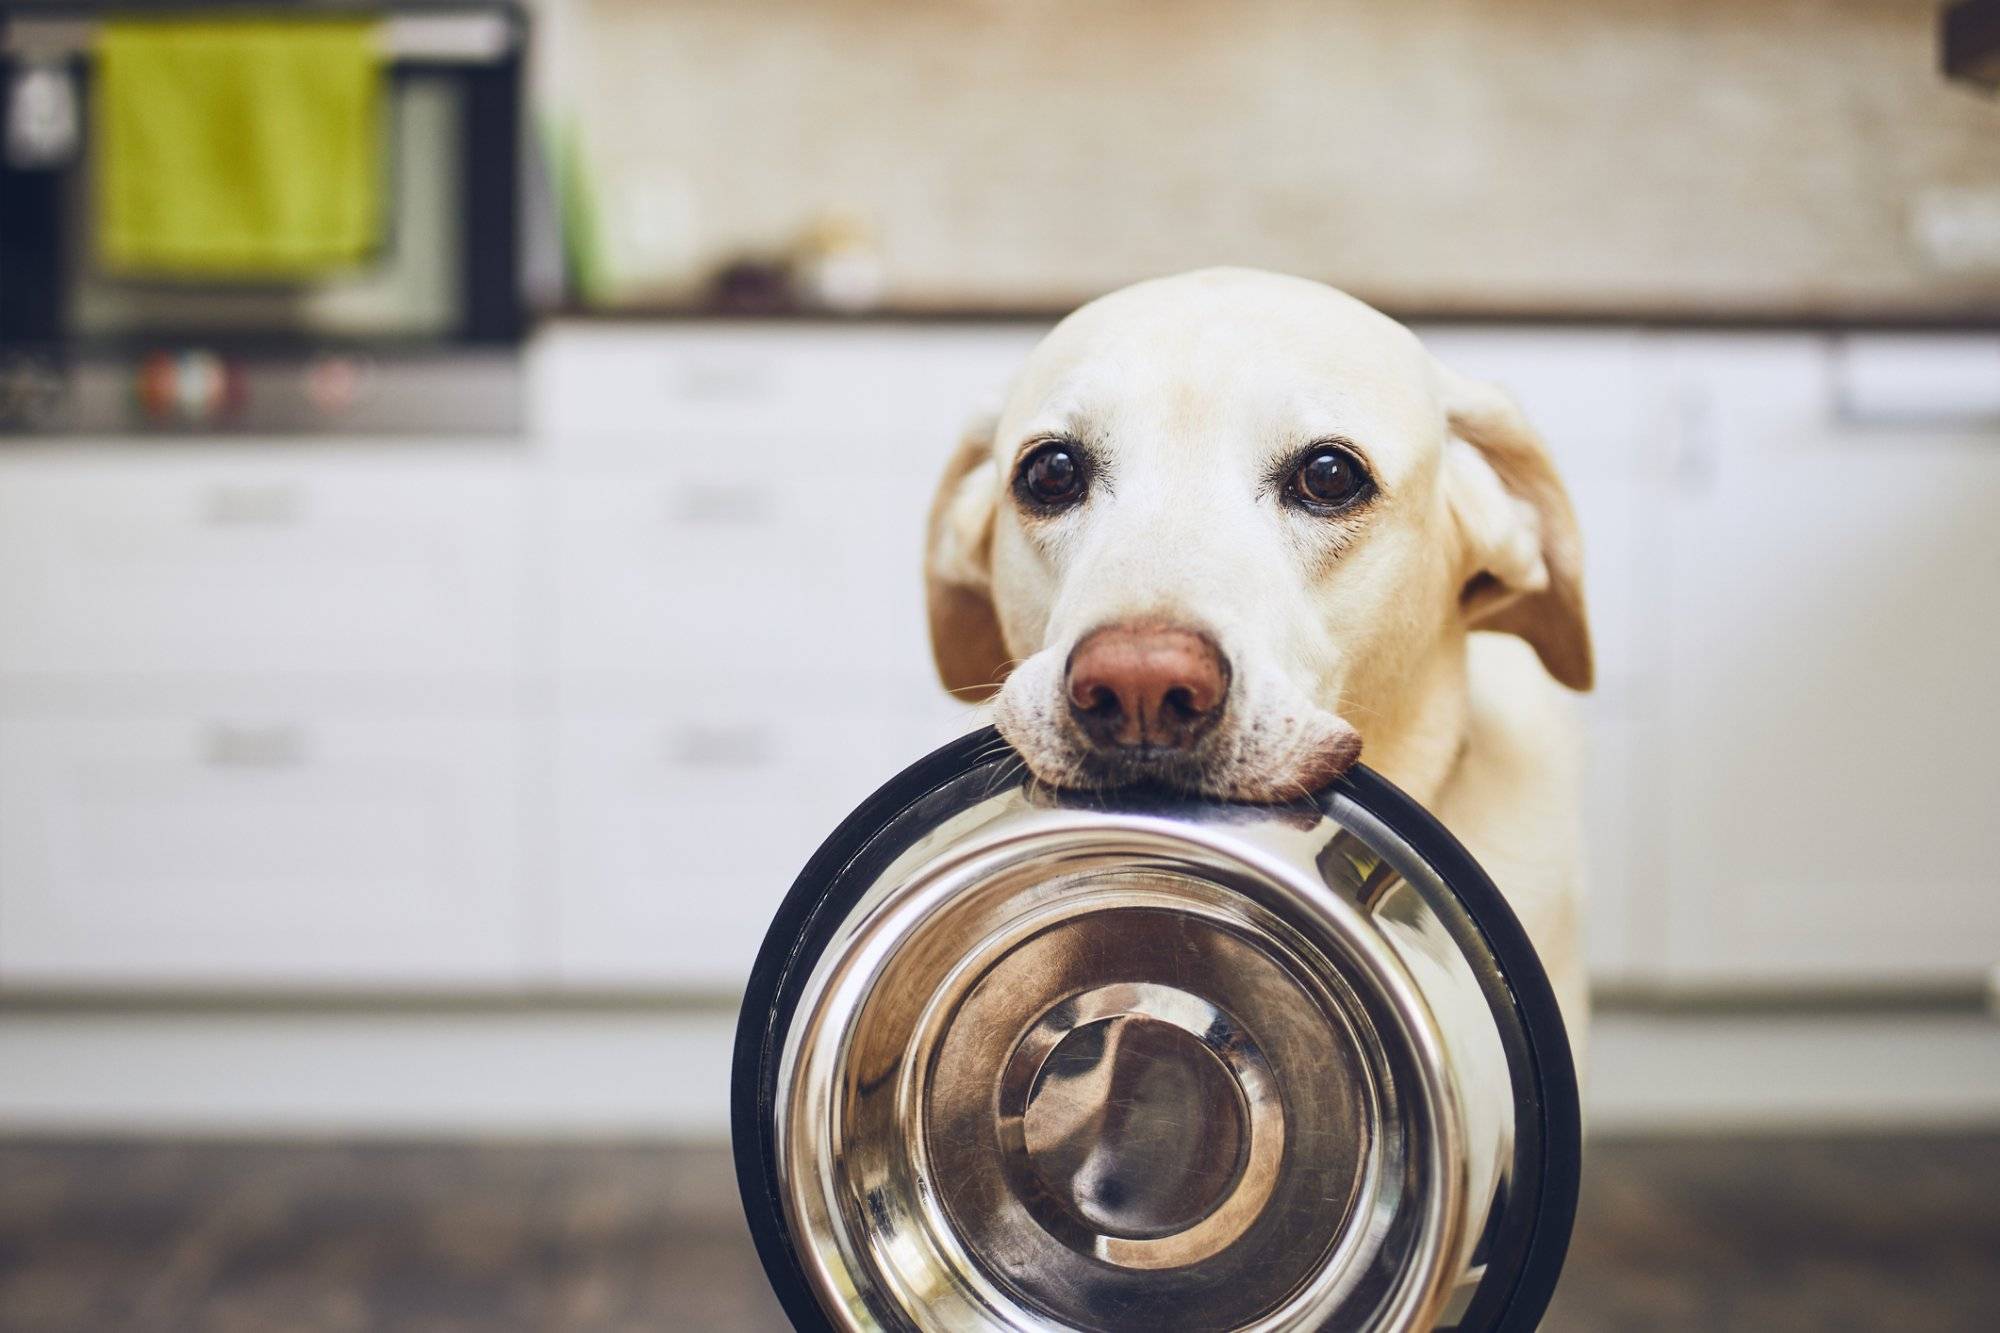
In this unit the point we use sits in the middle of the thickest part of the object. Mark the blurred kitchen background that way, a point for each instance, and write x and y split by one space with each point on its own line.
461 472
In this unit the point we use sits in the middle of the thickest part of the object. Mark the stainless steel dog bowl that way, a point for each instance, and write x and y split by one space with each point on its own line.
1017 1059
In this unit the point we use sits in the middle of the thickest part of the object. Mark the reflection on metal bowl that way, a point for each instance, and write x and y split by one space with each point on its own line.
1019 1059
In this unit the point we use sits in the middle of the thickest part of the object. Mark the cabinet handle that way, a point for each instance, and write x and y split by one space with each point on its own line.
731 503
722 381
1916 381
244 745
247 504
745 746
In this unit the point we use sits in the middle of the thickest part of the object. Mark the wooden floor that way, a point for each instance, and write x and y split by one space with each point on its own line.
1863 1234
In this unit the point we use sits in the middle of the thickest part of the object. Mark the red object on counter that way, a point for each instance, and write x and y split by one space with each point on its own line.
191 387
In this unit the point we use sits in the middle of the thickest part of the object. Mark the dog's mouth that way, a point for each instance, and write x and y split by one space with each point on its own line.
1269 744
1168 768
1260 768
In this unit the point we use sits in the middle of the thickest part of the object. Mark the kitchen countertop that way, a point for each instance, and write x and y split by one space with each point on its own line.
1719 319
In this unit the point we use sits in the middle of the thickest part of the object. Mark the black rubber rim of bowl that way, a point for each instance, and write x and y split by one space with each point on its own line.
1549 1164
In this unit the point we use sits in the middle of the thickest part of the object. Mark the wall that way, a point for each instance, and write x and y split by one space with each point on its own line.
1708 157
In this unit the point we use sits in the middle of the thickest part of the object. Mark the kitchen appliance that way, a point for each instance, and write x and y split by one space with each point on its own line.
422 337
1018 1059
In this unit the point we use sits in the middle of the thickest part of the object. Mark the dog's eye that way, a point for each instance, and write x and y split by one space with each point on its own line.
1051 477
1328 478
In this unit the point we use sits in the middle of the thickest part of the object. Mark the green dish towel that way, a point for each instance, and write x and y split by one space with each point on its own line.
238 148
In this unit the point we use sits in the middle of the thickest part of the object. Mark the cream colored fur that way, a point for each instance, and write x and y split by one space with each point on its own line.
1191 390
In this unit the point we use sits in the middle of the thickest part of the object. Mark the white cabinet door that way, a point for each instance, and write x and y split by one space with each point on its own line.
741 652
1622 519
1591 396
681 831
1831 726
1585 390
1621 526
202 562
272 852
704 572
802 390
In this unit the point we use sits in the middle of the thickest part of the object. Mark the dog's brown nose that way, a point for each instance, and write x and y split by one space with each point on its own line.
1146 685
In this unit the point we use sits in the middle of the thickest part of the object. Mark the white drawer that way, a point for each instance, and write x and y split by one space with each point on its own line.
1622 534
794 387
197 565
259 851
704 576
679 835
1586 391
1621 876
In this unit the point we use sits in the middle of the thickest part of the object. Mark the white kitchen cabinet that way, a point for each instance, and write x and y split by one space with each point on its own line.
1592 394
577 712
221 850
680 831
241 561
740 499
1588 392
697 571
741 647
1619 881
1829 719
1621 523
798 392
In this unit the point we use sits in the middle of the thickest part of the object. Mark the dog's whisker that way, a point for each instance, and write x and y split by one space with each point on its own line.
999 670
1344 705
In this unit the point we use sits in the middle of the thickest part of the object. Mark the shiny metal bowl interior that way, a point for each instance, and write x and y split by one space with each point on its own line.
1138 1064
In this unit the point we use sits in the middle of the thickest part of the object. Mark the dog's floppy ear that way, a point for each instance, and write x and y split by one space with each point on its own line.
1524 555
966 641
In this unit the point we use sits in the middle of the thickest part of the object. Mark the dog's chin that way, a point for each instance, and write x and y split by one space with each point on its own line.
1222 769
1176 771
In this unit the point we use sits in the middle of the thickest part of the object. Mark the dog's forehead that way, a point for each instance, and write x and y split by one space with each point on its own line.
1229 354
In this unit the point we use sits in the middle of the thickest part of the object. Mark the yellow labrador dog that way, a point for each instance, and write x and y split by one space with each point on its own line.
1231 530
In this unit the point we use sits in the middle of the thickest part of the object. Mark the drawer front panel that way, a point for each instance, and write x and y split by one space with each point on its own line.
791 388
267 851
1587 394
237 567
703 576
679 835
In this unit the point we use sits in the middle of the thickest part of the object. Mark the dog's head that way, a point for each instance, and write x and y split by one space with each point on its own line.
1218 519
